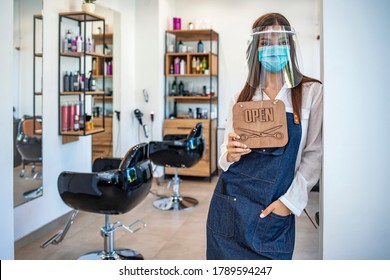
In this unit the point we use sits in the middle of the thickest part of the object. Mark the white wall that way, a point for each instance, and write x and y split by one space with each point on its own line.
6 158
148 69
356 191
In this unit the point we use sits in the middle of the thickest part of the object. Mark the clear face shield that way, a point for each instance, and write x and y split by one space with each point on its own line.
273 57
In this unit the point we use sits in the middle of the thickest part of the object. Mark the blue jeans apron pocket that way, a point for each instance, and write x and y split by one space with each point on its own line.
221 215
273 234
262 164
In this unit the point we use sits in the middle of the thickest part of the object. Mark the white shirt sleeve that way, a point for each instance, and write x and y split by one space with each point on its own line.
223 163
309 168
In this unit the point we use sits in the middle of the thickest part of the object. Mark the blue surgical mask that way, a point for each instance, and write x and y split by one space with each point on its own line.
274 58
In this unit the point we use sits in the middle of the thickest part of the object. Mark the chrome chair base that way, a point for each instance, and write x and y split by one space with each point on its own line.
118 254
175 203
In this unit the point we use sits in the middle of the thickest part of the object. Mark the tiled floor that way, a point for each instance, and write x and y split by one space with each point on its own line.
169 235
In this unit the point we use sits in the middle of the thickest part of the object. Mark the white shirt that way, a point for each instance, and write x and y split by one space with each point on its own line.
309 157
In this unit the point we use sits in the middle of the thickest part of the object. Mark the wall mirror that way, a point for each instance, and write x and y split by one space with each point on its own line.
27 100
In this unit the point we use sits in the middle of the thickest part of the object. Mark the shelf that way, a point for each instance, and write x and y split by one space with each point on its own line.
195 34
81 16
101 76
107 98
189 53
81 132
98 38
38 54
38 93
98 92
197 98
189 75
80 54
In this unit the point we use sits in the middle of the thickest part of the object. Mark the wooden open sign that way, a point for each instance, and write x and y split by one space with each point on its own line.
261 124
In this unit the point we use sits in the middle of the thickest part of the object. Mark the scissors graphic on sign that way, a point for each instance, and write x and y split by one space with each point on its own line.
266 133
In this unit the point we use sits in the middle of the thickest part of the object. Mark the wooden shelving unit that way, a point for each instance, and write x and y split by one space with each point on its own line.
179 122
81 23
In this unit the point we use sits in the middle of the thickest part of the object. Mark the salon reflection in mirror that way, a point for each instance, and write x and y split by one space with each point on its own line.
27 100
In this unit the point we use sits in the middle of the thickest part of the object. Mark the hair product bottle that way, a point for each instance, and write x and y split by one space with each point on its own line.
198 65
181 88
79 44
200 46
64 117
193 65
174 88
204 64
71 82
76 123
76 81
82 82
66 82
177 65
74 44
81 119
182 67
71 116
109 68
69 40
171 69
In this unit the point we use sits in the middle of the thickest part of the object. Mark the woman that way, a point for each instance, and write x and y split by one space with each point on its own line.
259 192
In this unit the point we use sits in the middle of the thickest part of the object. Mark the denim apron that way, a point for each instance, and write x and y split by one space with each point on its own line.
234 228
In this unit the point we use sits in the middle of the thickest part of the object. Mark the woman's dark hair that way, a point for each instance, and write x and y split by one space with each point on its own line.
248 92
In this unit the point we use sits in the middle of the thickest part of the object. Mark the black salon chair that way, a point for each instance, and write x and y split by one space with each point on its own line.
182 153
115 187
29 144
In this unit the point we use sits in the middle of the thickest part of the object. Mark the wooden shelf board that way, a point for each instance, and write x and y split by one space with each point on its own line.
189 53
38 93
107 98
194 35
98 38
81 16
81 132
81 92
101 76
80 54
189 75
38 54
193 98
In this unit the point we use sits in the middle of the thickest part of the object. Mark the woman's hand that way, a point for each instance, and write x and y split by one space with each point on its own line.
235 149
276 207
